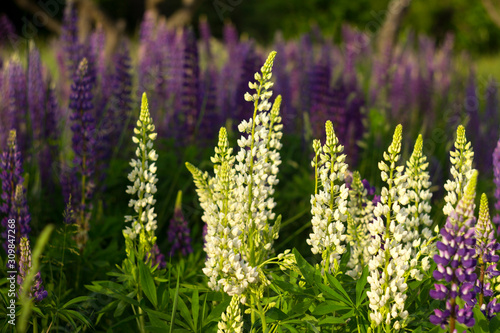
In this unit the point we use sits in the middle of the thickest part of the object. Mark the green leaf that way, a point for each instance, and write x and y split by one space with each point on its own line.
147 283
305 268
217 311
276 314
174 308
77 300
339 287
360 287
329 307
195 307
290 328
481 324
331 293
332 320
494 324
185 313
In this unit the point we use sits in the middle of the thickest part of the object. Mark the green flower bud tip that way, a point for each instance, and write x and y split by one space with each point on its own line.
268 65
330 133
178 201
11 141
276 106
484 212
395 147
461 139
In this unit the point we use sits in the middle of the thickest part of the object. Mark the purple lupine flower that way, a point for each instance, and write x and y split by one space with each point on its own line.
115 116
496 180
50 133
36 96
80 178
491 121
11 167
21 211
157 258
73 49
206 36
456 263
178 231
190 86
15 98
37 290
7 31
486 248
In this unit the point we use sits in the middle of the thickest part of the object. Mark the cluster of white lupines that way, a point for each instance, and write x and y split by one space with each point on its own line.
143 178
237 201
225 265
419 222
329 202
390 257
461 171
360 210
232 320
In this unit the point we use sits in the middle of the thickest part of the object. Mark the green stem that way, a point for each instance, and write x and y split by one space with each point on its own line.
62 265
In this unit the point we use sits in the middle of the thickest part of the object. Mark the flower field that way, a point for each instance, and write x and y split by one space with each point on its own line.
181 183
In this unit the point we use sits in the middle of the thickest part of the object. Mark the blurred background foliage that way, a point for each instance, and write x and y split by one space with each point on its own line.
469 21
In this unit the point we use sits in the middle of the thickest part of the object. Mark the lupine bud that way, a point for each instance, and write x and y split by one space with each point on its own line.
37 290
178 231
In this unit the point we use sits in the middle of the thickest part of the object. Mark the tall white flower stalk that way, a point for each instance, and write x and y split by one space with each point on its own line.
329 201
461 171
360 210
237 201
141 234
419 222
390 255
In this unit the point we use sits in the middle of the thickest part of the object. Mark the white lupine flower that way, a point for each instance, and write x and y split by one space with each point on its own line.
389 264
329 205
232 320
144 183
461 170
237 201
360 214
419 208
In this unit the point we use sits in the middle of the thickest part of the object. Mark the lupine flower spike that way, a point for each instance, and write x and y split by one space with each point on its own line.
461 170
419 208
178 231
11 176
496 180
329 202
360 210
37 291
232 320
390 254
237 201
486 247
143 178
80 182
456 263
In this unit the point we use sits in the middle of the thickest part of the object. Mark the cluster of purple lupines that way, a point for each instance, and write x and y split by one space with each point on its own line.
456 263
37 291
178 231
11 168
